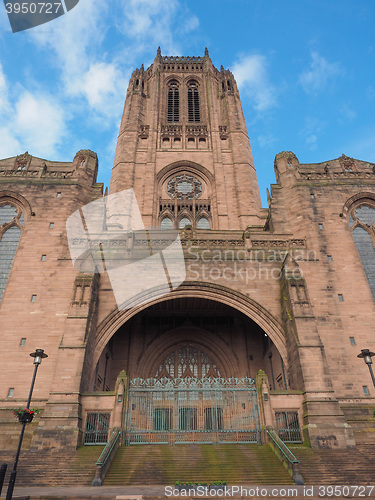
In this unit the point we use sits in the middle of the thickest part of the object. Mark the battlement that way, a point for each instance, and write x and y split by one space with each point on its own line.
182 59
343 168
27 167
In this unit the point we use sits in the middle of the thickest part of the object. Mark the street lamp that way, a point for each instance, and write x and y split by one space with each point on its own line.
38 355
366 354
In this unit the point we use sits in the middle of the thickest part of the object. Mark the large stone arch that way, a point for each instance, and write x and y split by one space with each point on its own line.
180 165
18 200
361 197
238 301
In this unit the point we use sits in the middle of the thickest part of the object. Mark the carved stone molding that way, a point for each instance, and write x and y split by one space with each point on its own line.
223 132
144 131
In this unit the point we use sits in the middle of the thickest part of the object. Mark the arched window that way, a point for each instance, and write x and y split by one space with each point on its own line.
184 199
188 361
173 103
203 223
362 222
184 222
193 103
11 221
166 223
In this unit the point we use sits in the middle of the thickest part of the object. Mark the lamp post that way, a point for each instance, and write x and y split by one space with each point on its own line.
366 354
38 355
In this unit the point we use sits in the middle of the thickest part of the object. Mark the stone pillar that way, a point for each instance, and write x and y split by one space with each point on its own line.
118 418
265 409
60 425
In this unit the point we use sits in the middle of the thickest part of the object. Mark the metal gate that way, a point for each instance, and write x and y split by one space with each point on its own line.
287 425
190 410
97 426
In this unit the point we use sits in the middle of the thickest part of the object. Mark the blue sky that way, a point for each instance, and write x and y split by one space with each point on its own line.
305 70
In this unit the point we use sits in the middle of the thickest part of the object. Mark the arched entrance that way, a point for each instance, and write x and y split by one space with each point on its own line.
191 361
237 345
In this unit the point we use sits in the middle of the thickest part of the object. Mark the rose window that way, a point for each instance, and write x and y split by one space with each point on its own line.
184 187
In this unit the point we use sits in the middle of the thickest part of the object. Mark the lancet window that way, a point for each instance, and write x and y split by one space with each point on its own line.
362 223
11 223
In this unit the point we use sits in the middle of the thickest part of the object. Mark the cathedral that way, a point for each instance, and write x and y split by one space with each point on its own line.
174 307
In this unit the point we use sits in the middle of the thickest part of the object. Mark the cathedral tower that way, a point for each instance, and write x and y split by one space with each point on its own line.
183 147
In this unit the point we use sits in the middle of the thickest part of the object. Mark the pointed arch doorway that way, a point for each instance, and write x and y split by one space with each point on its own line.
188 401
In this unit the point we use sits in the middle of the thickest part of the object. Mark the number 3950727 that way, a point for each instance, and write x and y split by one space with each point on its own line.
33 8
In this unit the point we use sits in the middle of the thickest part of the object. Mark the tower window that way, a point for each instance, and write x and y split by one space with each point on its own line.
193 103
203 223
166 223
173 103
184 222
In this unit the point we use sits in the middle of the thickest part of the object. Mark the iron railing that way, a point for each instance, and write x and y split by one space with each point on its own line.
284 454
106 457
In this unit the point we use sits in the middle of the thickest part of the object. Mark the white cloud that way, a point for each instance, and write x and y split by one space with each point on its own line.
251 76
74 45
32 122
4 103
319 75
39 122
85 79
150 21
157 22
72 36
98 81
191 24
9 144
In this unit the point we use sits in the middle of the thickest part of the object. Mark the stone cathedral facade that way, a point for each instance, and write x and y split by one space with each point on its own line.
264 330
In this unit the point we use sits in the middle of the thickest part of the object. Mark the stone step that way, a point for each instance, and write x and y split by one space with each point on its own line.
160 464
53 468
337 467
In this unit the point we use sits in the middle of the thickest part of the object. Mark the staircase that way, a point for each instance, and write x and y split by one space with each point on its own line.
53 468
336 467
164 465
